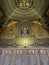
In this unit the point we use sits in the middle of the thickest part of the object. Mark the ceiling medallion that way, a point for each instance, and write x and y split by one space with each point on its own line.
24 4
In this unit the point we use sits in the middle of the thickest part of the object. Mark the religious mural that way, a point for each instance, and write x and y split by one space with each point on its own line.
24 30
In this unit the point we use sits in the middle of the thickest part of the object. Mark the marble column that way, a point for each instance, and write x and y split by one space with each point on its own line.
44 57
13 59
48 55
2 56
37 57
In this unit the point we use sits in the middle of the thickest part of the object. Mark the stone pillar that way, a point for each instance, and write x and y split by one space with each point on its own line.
48 55
13 59
26 57
37 57
2 56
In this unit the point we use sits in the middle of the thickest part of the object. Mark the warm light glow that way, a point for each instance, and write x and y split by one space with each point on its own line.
48 53
33 51
41 51
6 51
37 22
20 51
9 51
24 41
11 23
17 51
44 51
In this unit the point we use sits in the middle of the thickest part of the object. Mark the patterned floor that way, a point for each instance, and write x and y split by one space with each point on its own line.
13 56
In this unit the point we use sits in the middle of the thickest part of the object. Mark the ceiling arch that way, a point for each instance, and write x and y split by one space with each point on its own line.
15 13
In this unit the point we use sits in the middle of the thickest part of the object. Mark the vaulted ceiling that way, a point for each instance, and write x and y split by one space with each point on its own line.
25 10
13 12
36 10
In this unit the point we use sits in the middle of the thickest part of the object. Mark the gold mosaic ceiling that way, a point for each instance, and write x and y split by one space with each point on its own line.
24 4
24 9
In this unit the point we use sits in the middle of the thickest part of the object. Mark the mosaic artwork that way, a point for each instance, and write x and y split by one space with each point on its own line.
24 4
24 30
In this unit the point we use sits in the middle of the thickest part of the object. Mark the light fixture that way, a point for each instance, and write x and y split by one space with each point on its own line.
33 51
6 51
41 51
17 51
24 41
20 51
44 51
9 51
